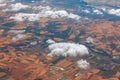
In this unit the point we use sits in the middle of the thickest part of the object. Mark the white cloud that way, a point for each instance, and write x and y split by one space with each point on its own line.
25 16
2 4
54 14
17 7
34 43
114 12
43 13
104 9
67 49
86 11
18 37
16 31
97 12
3 1
74 16
60 14
90 40
42 8
50 41
83 64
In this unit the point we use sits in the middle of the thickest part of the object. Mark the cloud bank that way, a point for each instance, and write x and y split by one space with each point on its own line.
2 4
67 49
3 1
25 16
43 12
93 11
96 11
16 7
114 12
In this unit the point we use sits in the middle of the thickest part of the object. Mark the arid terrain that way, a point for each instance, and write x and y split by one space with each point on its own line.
57 44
